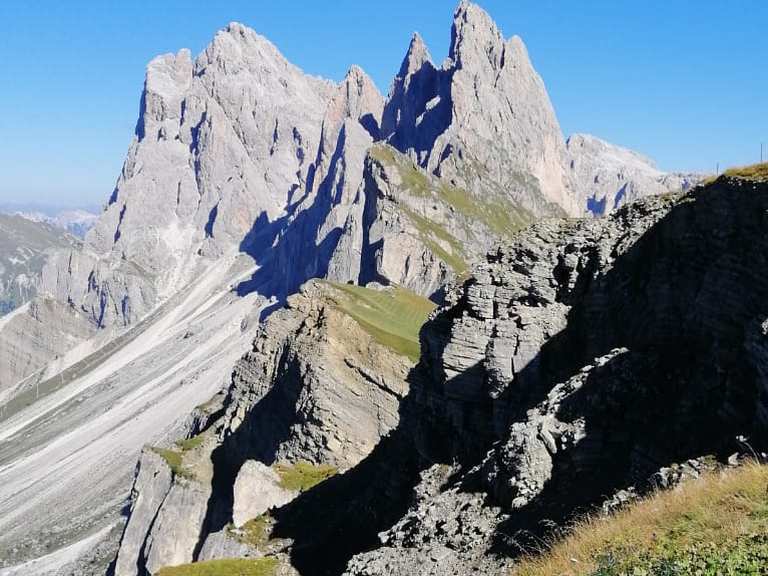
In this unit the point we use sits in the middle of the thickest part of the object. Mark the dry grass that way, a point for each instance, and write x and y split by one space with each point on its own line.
715 512
755 172
229 567
174 460
302 475
256 532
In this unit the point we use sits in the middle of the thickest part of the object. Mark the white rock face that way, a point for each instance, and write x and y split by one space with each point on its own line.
256 490
483 120
154 481
608 176
222 145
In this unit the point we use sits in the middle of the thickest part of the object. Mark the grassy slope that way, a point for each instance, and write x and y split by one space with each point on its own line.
232 567
302 475
393 317
498 215
712 526
754 172
757 172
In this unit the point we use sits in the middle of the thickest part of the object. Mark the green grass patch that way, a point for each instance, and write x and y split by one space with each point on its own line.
430 232
255 532
498 214
302 475
174 460
393 317
711 526
755 172
190 443
229 567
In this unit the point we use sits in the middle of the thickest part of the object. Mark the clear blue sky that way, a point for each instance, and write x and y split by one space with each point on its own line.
683 81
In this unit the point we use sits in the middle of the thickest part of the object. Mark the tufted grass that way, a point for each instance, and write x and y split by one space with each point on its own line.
174 460
302 475
715 525
190 443
256 532
229 567
756 172
393 317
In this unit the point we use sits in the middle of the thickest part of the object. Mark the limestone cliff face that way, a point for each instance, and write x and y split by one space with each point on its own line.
223 145
607 176
421 232
483 121
316 387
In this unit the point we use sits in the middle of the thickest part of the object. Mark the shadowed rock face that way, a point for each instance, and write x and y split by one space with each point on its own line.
316 387
518 400
579 360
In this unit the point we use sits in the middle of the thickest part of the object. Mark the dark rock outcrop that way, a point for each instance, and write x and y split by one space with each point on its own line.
578 361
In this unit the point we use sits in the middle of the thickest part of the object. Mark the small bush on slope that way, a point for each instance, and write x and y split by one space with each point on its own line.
717 525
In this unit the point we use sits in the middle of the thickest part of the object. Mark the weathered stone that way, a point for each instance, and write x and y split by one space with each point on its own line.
256 490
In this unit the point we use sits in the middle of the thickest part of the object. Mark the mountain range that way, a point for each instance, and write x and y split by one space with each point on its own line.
348 333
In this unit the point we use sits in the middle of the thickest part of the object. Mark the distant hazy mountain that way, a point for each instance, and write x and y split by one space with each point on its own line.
76 221
25 245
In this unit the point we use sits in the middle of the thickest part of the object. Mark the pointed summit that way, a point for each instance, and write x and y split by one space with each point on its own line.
416 57
417 84
475 37
356 98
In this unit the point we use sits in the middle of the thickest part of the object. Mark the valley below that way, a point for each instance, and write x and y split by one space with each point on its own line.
321 331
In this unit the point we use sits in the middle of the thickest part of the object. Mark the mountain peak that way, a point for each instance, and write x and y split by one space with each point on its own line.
474 36
416 57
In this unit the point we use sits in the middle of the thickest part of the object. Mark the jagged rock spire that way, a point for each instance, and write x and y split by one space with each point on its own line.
484 120
415 58
416 85
475 37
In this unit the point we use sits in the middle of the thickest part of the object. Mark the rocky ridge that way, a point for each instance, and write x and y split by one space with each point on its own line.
317 387
523 400
516 400
483 121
